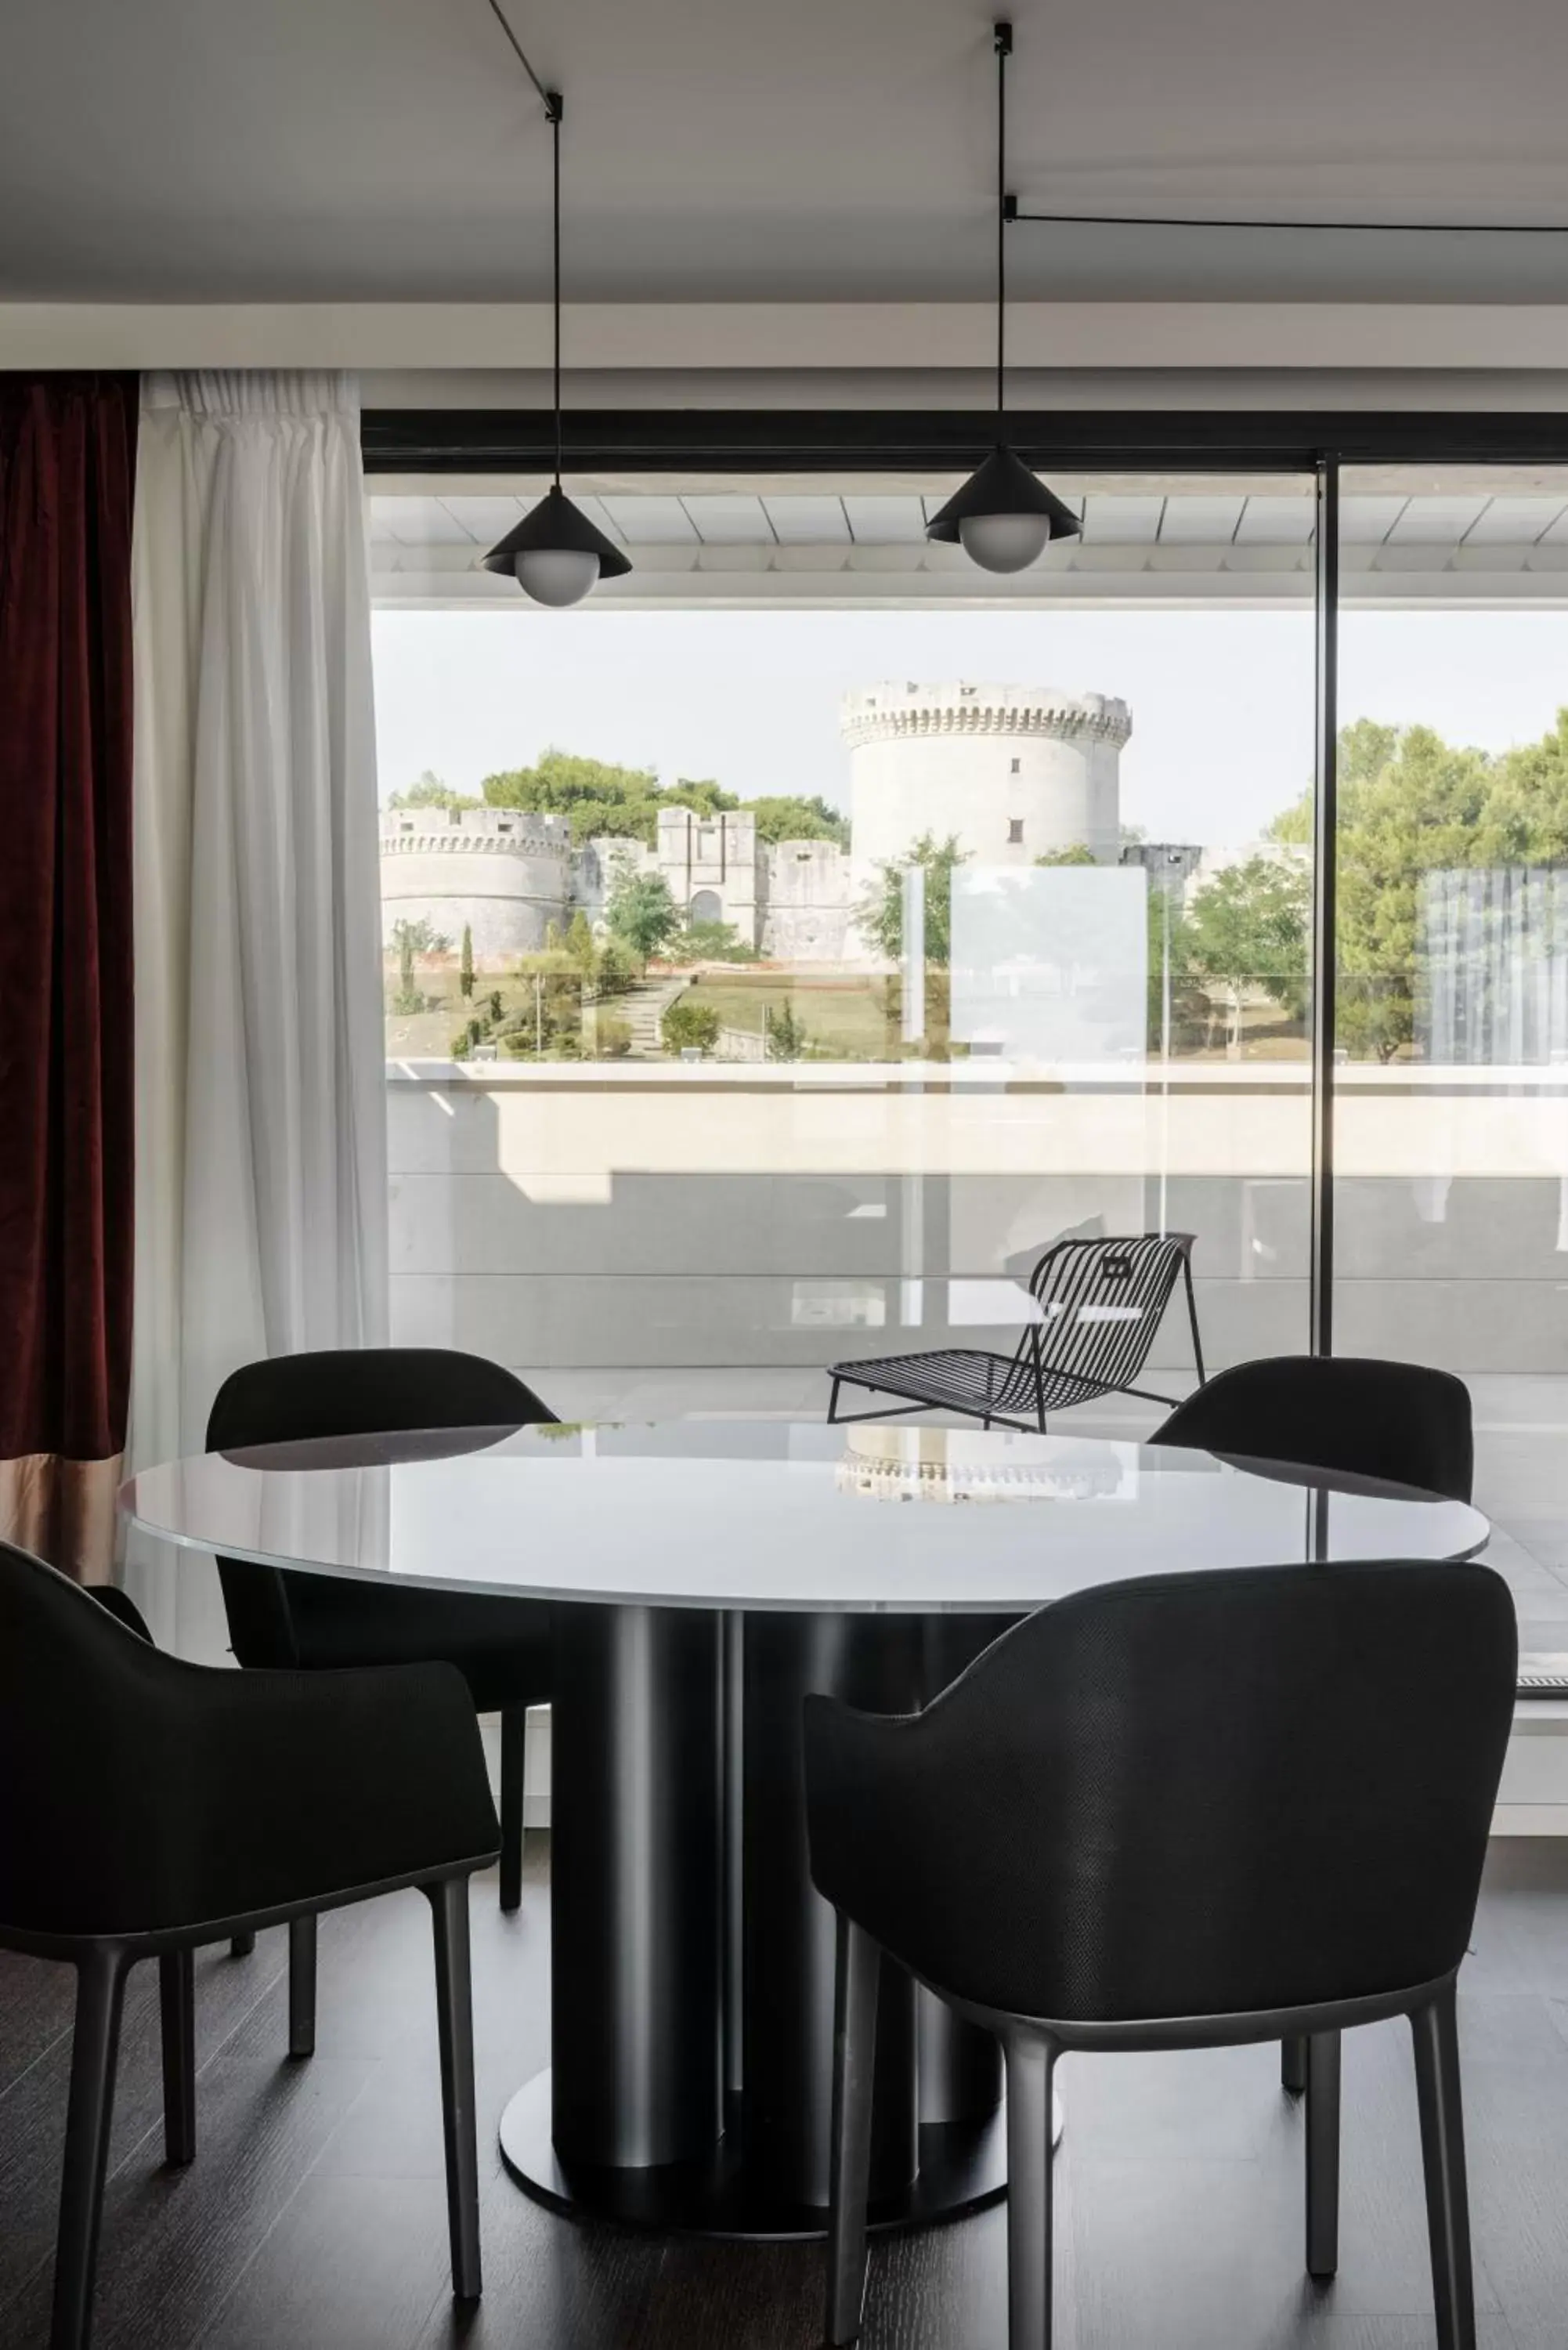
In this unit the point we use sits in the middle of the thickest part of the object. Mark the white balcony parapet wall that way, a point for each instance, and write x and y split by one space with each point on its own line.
763 1213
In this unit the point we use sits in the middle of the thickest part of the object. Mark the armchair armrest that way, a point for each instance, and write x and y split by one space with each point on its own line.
210 1794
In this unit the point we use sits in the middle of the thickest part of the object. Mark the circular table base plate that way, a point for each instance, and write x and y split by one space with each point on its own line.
963 2166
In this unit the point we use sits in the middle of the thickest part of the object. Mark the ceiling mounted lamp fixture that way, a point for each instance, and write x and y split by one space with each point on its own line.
1005 516
555 555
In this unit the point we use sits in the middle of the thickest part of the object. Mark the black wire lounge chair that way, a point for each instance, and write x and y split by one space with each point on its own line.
1101 1302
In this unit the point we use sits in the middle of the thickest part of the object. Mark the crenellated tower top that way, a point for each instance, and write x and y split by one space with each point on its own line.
469 832
889 712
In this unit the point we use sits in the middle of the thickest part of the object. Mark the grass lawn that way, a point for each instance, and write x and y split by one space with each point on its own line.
842 1016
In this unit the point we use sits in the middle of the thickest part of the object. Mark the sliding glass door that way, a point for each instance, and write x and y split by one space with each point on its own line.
1452 1011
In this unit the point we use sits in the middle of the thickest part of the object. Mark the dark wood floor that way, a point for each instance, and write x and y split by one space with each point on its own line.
314 2214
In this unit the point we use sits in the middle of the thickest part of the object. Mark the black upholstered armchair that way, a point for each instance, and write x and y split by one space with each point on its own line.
152 1807
1398 1421
501 1647
1190 1811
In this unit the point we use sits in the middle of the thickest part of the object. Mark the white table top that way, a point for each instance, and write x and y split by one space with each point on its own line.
774 1514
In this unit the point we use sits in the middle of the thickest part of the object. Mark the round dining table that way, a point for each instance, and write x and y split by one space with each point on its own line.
704 1575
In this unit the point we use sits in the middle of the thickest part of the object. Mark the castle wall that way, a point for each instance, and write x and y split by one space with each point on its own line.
812 888
1015 771
714 859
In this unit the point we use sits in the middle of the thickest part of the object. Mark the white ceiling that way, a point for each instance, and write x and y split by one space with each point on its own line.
1244 543
721 149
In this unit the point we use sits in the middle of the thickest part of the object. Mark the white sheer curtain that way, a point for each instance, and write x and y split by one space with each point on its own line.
261 1170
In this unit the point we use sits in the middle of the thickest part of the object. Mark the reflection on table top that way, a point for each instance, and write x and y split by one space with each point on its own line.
775 1515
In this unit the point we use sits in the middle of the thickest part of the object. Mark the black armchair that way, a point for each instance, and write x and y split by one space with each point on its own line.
208 1802
1397 1421
1192 1810
501 1647
1400 1422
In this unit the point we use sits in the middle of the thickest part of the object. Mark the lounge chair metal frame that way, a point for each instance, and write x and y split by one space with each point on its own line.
1101 1305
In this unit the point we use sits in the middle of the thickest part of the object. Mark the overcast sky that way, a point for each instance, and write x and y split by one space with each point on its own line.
1221 702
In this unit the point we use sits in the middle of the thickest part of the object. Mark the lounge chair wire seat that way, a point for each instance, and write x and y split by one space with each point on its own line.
1101 1304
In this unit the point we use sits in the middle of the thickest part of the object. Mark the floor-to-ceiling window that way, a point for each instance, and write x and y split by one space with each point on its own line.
782 951
1450 1119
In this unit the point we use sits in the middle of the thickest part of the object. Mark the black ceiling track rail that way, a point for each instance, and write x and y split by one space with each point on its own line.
754 441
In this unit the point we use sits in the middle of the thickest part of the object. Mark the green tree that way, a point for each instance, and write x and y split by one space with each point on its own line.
686 1025
1410 804
1251 927
642 911
408 939
786 1032
419 938
580 943
616 968
880 912
1078 855
709 942
465 968
789 817
428 791
599 798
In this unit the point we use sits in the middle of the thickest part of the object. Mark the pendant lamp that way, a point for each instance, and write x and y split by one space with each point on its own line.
555 554
1005 516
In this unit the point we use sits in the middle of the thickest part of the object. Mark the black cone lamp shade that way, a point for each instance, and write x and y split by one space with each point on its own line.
555 554
1005 516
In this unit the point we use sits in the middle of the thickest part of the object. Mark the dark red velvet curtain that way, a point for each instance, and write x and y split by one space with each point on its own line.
67 450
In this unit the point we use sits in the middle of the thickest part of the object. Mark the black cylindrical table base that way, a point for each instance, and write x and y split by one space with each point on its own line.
635 1885
691 2021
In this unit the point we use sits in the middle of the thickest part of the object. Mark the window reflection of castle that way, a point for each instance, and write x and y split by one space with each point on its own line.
1015 772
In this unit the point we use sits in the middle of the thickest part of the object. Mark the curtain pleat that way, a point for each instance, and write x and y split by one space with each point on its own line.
68 452
261 1197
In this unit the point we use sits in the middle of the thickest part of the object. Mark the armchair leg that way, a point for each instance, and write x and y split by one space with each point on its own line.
1436 2034
833 1404
1030 2065
1322 2154
1292 2066
302 1986
454 2024
101 1999
177 2006
514 1783
858 1975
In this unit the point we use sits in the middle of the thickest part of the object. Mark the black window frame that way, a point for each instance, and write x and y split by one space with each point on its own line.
1312 444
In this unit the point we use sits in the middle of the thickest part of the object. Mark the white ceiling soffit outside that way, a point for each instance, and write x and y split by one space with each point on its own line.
388 151
1459 539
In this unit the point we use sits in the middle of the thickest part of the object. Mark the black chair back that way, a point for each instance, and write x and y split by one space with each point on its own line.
82 1723
1186 1795
1397 1421
290 1399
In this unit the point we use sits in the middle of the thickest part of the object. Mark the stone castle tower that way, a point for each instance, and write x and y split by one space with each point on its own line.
504 873
1015 771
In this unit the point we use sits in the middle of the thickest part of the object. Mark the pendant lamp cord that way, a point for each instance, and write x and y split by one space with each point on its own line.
553 109
1003 51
